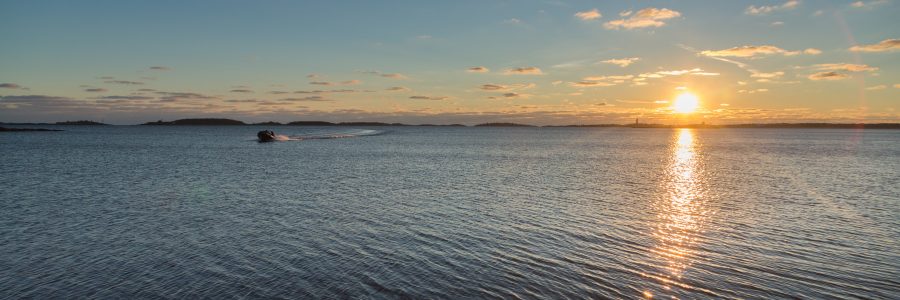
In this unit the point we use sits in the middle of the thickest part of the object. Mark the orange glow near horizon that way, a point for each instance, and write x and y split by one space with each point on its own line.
686 103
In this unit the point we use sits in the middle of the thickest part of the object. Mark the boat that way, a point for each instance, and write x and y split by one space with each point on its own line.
266 136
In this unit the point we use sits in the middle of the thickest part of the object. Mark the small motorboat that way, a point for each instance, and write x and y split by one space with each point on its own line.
266 136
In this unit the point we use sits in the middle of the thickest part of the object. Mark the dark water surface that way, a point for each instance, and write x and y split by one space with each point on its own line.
422 212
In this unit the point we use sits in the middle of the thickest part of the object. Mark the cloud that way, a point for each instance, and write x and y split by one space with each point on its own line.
767 75
125 98
753 91
96 90
828 76
307 99
762 10
648 17
877 87
397 89
278 92
386 75
752 51
313 76
160 68
328 91
240 91
394 76
478 69
182 96
510 95
844 67
776 24
625 13
897 85
883 46
588 83
589 15
812 51
146 90
429 97
348 82
621 62
501 87
10 86
124 82
524 71
694 71
513 21
40 101
870 4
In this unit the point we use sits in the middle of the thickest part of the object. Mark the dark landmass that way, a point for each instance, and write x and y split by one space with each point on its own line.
440 125
311 123
82 122
4 129
270 123
198 122
503 125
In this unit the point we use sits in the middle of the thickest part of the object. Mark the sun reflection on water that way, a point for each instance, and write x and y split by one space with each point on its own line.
681 211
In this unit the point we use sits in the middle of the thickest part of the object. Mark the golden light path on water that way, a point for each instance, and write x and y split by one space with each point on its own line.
682 212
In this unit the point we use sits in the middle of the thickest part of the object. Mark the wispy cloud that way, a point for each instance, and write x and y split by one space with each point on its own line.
844 67
648 17
478 69
883 46
507 87
754 51
429 97
328 91
524 71
870 4
183 96
96 90
510 95
588 15
348 82
307 99
762 10
11 86
513 21
116 97
240 91
877 87
397 89
126 82
160 68
831 75
767 75
621 62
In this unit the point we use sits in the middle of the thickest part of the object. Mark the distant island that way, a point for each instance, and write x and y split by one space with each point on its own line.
4 129
198 122
503 125
82 122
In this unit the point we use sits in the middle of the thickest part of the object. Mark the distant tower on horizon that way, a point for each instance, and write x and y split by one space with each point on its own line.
635 121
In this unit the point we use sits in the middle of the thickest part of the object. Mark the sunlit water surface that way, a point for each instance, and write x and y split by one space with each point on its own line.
427 212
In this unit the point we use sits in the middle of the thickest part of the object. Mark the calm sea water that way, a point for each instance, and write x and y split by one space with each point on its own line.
423 212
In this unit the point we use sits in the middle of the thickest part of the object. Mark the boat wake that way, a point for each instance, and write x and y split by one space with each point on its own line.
327 135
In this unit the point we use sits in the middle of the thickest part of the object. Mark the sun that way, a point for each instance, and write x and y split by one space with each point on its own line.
686 103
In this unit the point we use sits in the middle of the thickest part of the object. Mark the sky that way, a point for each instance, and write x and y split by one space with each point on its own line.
442 62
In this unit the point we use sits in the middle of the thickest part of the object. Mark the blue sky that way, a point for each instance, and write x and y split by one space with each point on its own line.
128 62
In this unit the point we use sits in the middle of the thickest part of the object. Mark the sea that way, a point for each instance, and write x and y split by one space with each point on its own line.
394 212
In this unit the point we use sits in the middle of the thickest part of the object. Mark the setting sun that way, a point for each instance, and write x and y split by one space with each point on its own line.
686 103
